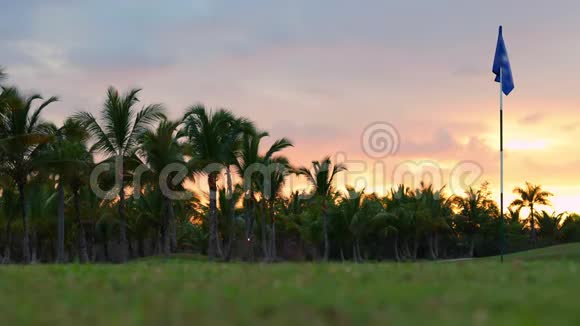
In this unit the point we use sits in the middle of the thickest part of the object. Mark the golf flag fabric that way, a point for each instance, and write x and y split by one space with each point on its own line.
501 66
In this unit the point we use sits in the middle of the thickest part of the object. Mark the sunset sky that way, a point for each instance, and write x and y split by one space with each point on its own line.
319 72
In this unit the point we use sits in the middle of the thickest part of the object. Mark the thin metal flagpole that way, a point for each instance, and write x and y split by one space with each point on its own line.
502 228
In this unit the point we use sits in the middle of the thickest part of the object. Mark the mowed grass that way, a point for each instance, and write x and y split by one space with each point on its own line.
566 252
524 290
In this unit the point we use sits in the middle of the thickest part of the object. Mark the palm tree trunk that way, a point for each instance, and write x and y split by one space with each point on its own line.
247 239
231 233
92 243
33 246
532 226
172 226
141 246
40 247
60 224
415 247
396 248
263 235
273 242
130 253
106 248
430 243
26 237
8 245
124 248
273 235
158 243
406 250
360 257
436 245
165 226
212 242
325 231
249 219
471 246
172 229
83 253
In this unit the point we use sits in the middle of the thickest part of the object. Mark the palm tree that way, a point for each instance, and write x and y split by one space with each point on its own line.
398 220
145 221
570 229
227 201
68 158
213 138
21 132
417 219
271 185
90 208
437 208
390 223
549 224
272 171
349 208
321 177
246 162
475 211
41 202
530 196
82 160
117 136
160 148
513 214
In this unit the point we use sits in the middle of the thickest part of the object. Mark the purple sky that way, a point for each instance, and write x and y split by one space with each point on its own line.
319 72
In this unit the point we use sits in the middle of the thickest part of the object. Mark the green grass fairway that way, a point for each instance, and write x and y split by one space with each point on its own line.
536 287
567 252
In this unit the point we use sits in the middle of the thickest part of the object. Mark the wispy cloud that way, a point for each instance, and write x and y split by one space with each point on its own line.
319 72
532 118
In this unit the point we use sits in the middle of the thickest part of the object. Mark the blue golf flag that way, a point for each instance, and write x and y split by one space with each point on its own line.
501 63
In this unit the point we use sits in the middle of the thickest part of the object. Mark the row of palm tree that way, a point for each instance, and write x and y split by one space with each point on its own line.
414 223
125 136
49 170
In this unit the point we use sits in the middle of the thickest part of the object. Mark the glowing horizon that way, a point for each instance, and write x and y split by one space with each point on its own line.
321 73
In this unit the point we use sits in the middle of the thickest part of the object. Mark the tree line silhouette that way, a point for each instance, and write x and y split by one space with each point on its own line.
50 213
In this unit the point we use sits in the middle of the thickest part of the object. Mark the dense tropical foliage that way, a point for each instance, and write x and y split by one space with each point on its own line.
115 187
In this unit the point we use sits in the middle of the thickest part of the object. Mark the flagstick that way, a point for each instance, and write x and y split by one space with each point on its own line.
501 245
